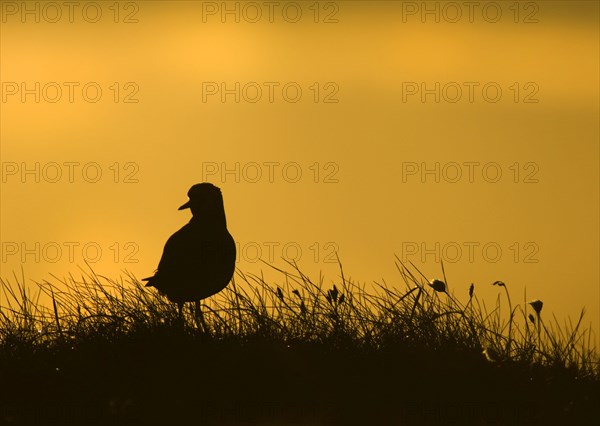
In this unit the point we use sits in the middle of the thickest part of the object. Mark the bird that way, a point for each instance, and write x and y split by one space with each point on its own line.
198 260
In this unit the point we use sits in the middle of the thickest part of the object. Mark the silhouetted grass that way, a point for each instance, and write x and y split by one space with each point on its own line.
295 351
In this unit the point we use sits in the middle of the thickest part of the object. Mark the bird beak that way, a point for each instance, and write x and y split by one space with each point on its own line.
185 206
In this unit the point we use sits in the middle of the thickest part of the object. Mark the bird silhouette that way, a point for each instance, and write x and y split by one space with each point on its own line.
198 261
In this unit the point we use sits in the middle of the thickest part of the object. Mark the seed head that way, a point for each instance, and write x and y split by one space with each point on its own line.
332 295
499 284
438 285
537 305
471 290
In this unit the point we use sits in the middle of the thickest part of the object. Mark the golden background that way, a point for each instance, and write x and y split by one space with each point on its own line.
152 135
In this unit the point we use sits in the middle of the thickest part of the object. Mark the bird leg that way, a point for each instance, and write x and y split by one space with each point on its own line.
180 311
200 316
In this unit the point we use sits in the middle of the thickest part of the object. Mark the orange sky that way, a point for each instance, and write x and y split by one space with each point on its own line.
361 134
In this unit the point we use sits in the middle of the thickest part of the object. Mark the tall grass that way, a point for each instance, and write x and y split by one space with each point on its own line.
423 313
421 318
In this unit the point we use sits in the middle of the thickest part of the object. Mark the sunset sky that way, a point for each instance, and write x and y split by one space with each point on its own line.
372 129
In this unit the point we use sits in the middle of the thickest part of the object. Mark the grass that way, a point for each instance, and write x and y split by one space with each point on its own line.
99 351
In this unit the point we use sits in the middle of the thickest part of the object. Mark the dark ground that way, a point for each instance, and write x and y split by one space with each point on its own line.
185 379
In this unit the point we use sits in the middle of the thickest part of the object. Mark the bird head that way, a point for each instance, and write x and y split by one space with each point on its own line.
203 198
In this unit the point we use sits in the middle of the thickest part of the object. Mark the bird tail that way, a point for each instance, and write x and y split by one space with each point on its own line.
149 279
